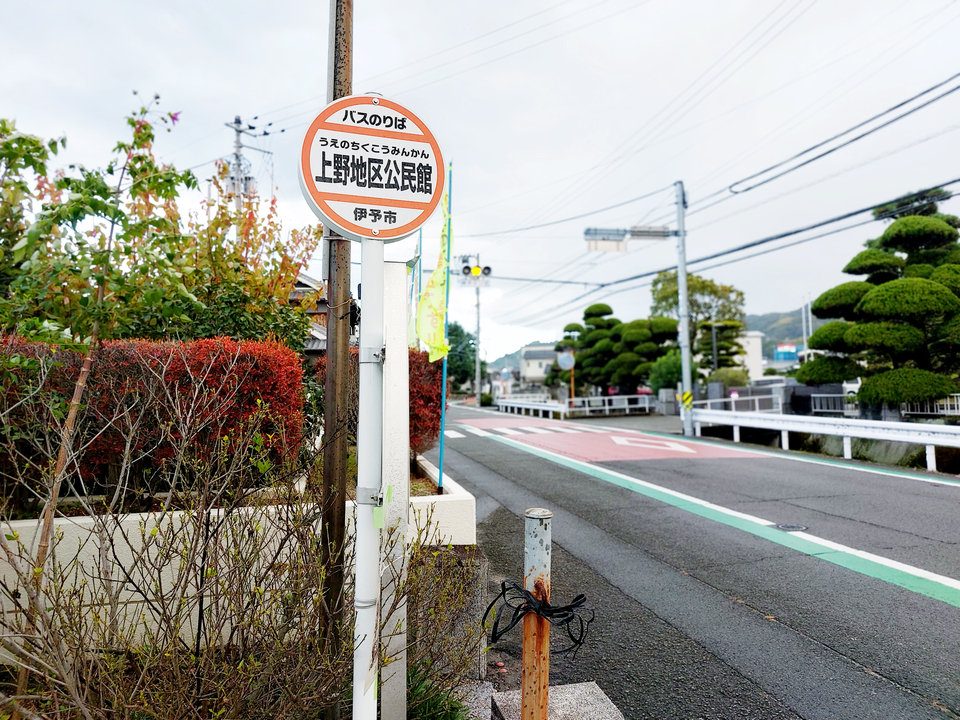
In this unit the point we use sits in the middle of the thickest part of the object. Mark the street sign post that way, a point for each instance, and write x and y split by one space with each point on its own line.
371 168
567 361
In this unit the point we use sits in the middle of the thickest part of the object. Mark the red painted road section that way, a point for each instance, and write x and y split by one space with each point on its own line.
595 445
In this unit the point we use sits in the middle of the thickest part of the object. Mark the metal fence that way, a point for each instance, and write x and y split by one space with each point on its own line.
846 405
757 403
577 407
949 405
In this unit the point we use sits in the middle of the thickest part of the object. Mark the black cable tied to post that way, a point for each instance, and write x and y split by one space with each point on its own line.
516 601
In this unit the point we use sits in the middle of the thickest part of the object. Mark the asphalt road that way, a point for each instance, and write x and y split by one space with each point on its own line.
705 607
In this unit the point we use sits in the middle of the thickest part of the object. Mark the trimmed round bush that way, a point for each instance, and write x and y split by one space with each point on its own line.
839 302
573 327
597 310
643 369
910 299
953 257
633 337
916 232
646 349
920 270
594 336
881 277
905 385
663 327
603 345
948 276
870 261
628 360
893 337
830 337
827 370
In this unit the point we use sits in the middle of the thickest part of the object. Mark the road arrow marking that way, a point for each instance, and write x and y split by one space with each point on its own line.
652 444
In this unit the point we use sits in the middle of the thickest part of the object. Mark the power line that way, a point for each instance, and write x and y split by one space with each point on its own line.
845 132
575 217
747 246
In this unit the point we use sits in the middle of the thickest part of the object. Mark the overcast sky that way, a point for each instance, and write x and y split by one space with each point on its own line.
547 110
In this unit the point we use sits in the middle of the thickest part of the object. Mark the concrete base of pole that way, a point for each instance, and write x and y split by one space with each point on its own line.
567 702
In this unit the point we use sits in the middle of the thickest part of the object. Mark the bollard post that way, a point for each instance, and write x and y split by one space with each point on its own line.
536 630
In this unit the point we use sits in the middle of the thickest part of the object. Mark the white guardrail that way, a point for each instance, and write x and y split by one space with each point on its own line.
915 433
578 407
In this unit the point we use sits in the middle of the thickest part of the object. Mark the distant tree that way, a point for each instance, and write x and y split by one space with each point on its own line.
921 203
461 362
707 300
666 371
610 353
728 333
730 376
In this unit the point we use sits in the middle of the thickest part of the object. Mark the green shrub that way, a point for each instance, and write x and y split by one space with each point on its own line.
826 370
646 349
830 337
892 337
910 299
634 336
486 400
881 277
730 377
905 385
663 328
916 232
839 302
948 276
666 371
573 328
597 311
871 261
920 270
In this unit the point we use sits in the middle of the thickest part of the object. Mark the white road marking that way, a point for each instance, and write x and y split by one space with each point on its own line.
476 431
652 444
453 434
558 429
538 430
507 431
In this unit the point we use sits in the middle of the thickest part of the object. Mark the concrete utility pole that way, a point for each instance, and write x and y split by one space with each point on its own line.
336 412
684 338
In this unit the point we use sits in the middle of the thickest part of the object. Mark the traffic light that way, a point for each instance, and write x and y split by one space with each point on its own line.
476 271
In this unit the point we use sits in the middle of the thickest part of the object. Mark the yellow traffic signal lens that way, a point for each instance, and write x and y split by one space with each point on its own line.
476 270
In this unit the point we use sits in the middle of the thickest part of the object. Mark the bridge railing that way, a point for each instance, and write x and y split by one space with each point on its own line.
835 404
916 433
577 407
756 403
611 405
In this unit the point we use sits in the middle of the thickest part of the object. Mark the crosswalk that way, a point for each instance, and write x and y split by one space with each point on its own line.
525 430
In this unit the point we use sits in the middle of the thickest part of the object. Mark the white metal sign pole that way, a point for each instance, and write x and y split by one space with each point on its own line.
684 334
369 478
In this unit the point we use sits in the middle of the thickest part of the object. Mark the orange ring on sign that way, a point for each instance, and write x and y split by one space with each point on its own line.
322 199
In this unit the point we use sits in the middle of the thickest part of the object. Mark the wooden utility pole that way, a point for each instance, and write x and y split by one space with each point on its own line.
336 412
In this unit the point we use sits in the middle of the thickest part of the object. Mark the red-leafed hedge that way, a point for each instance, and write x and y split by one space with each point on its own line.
426 384
426 381
149 392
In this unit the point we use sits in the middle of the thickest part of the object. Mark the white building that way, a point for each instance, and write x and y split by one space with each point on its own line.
752 357
535 362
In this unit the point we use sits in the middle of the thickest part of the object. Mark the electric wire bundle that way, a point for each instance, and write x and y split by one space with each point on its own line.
516 602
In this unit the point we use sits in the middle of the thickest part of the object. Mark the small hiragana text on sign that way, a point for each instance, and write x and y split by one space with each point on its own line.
375 215
372 147
378 173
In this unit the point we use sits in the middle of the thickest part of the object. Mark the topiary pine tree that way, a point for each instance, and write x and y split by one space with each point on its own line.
900 329
728 333
610 353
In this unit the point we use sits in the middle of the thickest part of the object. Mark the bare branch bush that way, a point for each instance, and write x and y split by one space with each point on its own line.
210 605
438 589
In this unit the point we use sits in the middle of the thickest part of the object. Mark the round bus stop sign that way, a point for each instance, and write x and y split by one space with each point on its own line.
370 169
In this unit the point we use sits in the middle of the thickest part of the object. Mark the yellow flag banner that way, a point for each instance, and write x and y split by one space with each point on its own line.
432 310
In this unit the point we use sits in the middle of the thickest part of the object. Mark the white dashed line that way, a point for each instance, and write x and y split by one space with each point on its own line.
453 434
